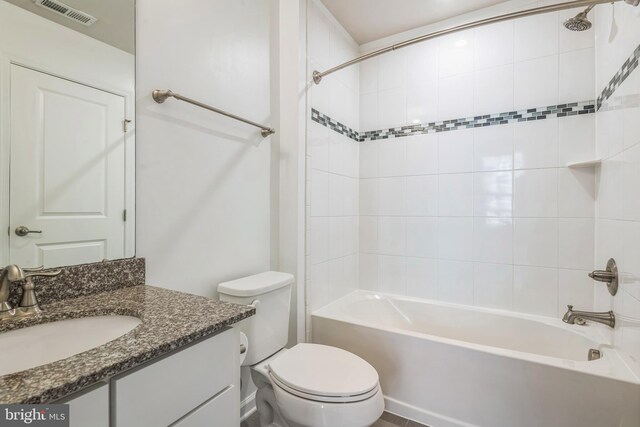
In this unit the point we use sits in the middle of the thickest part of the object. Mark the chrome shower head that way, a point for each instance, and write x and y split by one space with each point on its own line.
580 21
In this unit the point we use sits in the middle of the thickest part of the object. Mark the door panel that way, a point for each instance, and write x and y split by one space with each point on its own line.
67 171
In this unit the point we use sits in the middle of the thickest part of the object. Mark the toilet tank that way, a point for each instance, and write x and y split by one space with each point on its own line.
270 293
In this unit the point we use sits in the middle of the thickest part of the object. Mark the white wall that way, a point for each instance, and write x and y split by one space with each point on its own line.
332 164
487 216
618 199
203 179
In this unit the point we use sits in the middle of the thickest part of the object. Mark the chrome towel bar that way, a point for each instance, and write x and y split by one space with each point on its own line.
161 95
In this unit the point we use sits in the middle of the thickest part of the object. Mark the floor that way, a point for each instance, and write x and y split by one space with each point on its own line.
386 420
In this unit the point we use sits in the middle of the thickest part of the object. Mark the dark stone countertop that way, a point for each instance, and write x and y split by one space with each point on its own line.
170 320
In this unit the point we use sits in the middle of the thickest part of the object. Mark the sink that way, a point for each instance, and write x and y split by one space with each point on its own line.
48 342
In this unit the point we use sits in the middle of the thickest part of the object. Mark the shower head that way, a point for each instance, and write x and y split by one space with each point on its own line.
580 21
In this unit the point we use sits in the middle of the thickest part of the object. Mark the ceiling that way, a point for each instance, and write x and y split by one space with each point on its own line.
115 25
368 20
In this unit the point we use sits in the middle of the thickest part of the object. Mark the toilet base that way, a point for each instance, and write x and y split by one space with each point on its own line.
267 408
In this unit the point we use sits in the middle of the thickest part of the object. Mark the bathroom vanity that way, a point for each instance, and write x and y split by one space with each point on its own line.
177 364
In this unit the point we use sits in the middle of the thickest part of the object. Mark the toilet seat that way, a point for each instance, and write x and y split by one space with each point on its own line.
324 374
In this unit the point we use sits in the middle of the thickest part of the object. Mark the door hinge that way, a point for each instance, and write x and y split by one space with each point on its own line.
125 125
124 215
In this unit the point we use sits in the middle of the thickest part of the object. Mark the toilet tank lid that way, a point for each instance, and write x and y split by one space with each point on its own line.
257 284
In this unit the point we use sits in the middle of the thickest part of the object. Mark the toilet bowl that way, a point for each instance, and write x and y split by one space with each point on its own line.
312 385
309 385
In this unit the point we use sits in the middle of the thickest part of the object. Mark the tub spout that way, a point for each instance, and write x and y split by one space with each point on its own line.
605 317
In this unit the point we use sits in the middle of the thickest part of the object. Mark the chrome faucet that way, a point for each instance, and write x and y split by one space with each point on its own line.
28 303
605 317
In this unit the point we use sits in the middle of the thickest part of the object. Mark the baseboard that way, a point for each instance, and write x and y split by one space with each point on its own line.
421 416
248 406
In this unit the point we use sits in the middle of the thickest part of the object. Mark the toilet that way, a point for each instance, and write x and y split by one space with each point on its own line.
308 385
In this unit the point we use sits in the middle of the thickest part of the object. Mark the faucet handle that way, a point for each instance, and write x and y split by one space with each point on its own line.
30 269
38 273
570 307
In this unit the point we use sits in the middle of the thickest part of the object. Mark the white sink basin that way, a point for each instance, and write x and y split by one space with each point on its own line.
48 342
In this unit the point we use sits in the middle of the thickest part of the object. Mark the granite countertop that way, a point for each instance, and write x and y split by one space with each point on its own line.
170 320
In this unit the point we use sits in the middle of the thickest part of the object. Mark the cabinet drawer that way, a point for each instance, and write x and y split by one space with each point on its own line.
89 408
221 411
161 392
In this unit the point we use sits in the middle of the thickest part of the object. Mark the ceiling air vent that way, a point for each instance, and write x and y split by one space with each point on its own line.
71 13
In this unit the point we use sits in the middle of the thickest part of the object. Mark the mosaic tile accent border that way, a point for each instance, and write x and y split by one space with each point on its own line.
328 122
531 114
627 68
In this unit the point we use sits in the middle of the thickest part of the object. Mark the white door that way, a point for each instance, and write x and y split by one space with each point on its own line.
67 183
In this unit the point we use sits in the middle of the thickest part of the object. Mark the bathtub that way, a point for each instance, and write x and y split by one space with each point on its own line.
450 365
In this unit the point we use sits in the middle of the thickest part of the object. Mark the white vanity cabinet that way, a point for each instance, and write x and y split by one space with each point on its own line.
196 386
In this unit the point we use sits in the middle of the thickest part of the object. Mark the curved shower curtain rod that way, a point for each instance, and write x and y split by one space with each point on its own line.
317 75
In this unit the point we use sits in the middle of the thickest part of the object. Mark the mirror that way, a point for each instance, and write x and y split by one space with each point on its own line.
67 136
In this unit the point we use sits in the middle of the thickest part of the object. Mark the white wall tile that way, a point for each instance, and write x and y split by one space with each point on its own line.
318 285
536 290
574 288
394 155
368 234
422 278
392 70
493 285
455 194
369 76
493 194
536 36
369 112
493 240
368 194
392 108
318 239
422 237
576 192
536 83
368 275
393 274
456 53
391 196
422 195
337 237
536 193
536 144
493 90
455 151
391 235
455 238
319 193
577 76
494 45
577 139
369 157
455 282
422 154
535 242
336 195
493 148
422 62
455 97
422 102
576 243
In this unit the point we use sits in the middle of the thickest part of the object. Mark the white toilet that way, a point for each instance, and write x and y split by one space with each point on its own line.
309 385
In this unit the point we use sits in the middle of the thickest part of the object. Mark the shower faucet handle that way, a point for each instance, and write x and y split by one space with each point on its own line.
608 276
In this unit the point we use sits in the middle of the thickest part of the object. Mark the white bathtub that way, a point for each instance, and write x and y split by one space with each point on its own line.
450 365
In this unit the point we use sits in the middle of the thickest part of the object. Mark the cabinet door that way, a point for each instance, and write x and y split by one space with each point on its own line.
162 392
217 412
89 408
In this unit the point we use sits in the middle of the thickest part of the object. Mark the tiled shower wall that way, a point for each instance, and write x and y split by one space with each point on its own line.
488 215
332 165
618 144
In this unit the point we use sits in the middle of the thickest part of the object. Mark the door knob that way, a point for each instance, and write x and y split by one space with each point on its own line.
23 231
